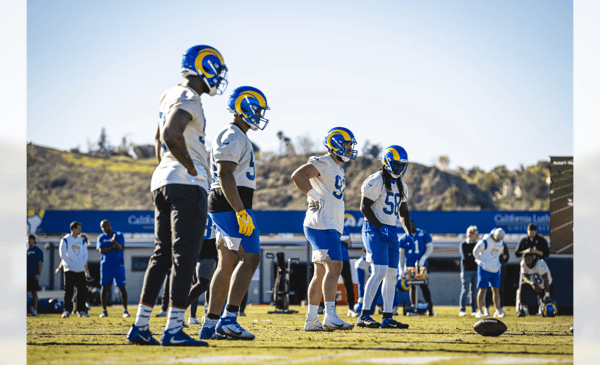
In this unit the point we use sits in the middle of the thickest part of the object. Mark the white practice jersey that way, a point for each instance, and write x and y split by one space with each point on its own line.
231 144
171 171
487 253
534 275
386 203
330 184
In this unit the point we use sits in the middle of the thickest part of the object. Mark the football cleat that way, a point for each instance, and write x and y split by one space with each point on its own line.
352 313
312 324
391 323
139 337
208 330
251 105
333 323
83 314
486 312
66 314
366 321
34 312
177 337
242 314
432 313
126 314
499 313
207 63
162 313
228 326
335 140
479 314
104 314
395 161
521 313
462 313
194 320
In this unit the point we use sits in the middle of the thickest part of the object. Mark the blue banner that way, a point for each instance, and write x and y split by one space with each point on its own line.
435 222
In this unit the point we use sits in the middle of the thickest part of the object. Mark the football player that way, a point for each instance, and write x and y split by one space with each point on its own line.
383 201
487 256
537 245
415 249
322 180
179 189
230 208
535 278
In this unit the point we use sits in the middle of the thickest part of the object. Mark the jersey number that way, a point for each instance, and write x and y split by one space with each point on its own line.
536 277
414 244
339 184
392 200
251 175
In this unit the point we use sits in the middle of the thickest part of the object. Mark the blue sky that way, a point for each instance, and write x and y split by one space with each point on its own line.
486 83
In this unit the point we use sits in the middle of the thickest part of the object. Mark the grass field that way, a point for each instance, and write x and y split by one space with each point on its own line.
444 339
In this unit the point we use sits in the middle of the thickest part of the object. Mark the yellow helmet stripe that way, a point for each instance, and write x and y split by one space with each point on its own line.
337 131
205 52
238 102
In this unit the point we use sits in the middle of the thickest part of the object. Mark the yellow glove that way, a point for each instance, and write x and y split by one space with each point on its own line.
245 222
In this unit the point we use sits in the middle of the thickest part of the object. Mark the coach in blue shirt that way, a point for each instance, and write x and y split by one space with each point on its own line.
110 244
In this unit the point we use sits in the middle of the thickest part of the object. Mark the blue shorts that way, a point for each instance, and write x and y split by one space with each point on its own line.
484 277
380 251
108 274
228 230
345 256
324 242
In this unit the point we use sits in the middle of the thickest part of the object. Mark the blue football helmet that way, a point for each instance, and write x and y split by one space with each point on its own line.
206 62
334 142
251 105
549 309
395 161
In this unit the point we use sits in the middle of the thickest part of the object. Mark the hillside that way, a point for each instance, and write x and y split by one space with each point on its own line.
69 180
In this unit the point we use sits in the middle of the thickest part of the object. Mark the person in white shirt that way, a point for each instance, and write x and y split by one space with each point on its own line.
322 180
74 255
535 279
487 256
179 190
230 208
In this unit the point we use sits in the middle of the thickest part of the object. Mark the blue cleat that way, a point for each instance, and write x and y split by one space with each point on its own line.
139 337
208 330
366 321
177 337
391 323
228 326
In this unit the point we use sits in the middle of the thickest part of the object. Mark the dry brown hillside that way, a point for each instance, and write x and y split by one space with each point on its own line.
65 180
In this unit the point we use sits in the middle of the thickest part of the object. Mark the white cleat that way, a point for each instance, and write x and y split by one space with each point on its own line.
313 324
479 314
499 313
194 320
462 313
352 313
162 313
486 312
335 323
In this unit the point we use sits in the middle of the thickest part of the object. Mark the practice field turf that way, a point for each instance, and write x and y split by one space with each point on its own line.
280 339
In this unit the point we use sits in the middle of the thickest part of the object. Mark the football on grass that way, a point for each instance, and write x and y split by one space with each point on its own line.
490 327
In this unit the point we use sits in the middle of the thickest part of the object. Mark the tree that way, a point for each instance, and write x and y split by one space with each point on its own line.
104 148
371 150
285 145
305 145
443 162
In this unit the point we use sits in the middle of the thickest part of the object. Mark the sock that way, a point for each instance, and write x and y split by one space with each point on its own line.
212 316
313 310
365 312
210 323
387 315
175 318
232 308
142 318
330 309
